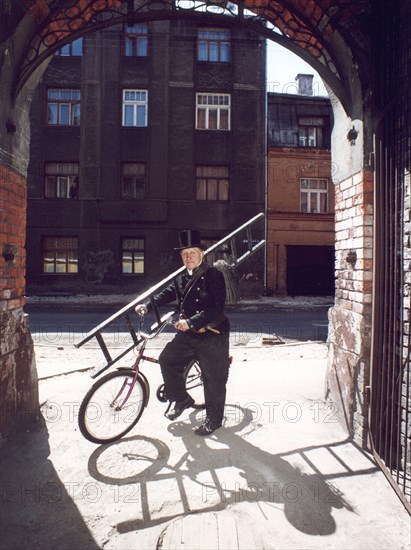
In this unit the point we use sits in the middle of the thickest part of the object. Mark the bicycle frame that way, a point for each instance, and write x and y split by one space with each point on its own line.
143 338
120 395
167 319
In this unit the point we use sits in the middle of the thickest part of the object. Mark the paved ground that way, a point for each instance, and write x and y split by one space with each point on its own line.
280 474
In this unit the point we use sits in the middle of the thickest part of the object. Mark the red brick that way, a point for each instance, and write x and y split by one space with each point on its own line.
15 303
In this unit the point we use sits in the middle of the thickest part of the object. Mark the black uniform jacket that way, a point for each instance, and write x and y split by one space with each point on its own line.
201 297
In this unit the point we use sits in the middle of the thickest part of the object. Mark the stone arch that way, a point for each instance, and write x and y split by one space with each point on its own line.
330 36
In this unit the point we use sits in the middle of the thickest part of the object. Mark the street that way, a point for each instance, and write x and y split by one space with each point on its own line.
248 324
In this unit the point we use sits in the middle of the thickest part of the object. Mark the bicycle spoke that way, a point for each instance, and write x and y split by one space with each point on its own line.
112 407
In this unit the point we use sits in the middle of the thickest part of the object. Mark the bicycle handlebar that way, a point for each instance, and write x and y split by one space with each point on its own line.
155 329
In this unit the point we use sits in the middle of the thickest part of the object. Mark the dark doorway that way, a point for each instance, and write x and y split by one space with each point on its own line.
310 270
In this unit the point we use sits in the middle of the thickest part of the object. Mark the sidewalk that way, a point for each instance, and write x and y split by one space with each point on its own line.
280 474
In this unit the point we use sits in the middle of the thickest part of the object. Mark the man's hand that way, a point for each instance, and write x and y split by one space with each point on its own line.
182 325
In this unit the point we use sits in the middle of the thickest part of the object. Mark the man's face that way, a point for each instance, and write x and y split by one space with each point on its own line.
192 257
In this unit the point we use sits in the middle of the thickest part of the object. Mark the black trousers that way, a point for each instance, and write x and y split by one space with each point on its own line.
212 352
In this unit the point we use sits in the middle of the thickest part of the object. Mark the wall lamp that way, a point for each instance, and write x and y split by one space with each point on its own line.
9 252
352 135
351 258
10 127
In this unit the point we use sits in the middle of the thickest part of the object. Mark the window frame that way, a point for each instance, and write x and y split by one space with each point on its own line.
314 125
209 108
70 48
135 103
73 106
134 177
63 172
133 252
60 251
314 193
210 41
207 180
135 39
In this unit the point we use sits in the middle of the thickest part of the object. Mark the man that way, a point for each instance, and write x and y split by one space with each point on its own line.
202 333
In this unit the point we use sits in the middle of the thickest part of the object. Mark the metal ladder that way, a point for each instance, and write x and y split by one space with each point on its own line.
240 248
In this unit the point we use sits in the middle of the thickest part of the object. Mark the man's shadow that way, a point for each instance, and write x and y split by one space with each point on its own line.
37 510
308 500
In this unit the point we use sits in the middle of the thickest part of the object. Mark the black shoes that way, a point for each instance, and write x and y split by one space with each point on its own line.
177 407
208 427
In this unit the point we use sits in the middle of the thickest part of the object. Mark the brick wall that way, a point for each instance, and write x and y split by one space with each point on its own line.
12 239
350 318
18 378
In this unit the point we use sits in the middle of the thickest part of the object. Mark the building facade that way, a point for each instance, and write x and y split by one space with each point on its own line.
300 236
138 132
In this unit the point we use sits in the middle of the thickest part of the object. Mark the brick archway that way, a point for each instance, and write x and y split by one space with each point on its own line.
326 36
332 37
329 37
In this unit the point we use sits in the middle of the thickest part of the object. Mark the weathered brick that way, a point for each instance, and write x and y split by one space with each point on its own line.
15 304
358 178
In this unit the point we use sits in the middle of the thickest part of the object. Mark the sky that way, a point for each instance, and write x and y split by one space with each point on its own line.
282 68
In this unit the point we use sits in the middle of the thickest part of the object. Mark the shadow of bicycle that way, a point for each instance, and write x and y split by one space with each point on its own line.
210 474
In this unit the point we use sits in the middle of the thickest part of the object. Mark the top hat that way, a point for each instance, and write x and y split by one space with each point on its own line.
189 239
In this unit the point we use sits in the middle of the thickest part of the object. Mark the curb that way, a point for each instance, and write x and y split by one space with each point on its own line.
104 303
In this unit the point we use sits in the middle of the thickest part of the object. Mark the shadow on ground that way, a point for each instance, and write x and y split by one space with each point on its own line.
214 473
36 508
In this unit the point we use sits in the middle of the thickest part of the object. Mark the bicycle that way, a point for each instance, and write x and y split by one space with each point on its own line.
114 404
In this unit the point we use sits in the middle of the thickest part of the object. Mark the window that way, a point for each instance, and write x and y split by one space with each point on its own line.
135 107
60 254
314 195
132 256
63 107
213 111
212 183
61 180
310 132
213 45
133 180
74 49
135 40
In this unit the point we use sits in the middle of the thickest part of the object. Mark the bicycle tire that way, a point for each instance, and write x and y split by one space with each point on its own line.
98 420
194 383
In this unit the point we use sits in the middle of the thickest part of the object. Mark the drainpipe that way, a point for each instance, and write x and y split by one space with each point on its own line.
265 174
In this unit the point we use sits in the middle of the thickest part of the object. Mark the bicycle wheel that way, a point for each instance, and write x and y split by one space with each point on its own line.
194 383
103 418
